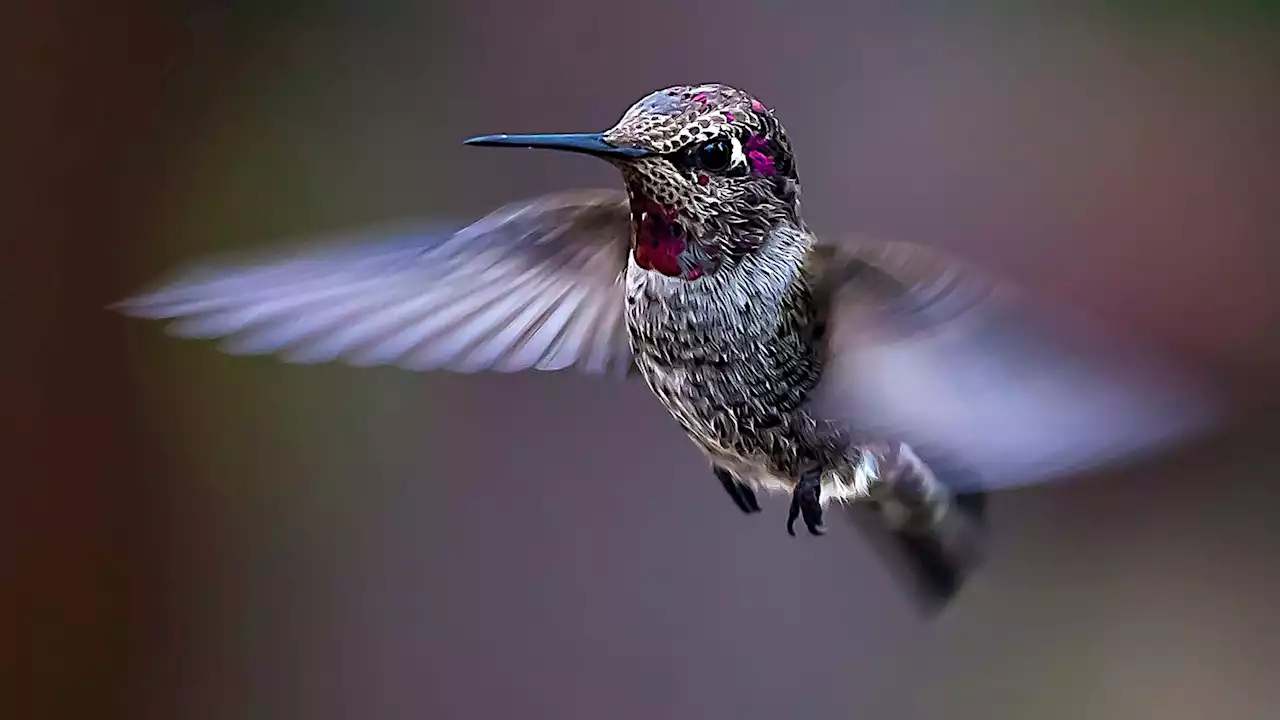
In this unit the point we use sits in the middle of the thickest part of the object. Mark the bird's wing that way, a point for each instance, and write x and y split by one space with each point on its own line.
925 349
535 284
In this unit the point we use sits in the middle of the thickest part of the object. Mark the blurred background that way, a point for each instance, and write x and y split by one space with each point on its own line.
193 536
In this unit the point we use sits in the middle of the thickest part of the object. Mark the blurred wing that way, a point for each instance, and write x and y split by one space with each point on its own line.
534 284
926 350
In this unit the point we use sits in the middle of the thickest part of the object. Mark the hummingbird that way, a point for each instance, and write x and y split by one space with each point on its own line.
893 379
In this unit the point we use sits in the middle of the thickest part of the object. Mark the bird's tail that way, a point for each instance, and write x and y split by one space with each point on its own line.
942 558
933 553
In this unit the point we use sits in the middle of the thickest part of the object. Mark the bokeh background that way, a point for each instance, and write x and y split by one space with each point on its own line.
192 536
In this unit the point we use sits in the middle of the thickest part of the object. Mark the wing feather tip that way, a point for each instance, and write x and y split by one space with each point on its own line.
146 307
208 303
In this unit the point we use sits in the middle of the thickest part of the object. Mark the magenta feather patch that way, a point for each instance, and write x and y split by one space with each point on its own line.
758 157
660 240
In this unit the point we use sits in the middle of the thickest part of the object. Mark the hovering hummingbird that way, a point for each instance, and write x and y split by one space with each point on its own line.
873 373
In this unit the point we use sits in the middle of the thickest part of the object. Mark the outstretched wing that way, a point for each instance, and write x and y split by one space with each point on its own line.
535 284
925 349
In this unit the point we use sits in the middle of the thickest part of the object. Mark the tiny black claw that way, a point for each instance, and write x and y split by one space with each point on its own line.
804 502
742 496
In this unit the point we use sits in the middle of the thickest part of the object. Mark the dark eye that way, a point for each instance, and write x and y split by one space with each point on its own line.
714 155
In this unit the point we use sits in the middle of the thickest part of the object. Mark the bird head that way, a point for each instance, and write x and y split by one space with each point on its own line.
708 170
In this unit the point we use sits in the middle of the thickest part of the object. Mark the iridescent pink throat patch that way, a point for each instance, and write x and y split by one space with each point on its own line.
660 240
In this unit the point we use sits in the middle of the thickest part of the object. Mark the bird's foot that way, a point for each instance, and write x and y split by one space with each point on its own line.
805 502
742 496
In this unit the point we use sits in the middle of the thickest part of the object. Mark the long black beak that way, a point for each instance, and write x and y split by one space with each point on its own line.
586 143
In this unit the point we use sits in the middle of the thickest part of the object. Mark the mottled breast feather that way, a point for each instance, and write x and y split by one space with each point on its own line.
732 355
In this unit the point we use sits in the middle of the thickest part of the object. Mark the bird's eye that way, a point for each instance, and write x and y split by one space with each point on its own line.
714 155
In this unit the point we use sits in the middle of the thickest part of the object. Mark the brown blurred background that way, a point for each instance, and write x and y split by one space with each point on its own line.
188 535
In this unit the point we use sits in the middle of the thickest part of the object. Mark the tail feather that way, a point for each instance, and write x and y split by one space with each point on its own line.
934 564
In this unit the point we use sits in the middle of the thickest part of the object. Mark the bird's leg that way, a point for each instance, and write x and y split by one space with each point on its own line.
805 501
742 496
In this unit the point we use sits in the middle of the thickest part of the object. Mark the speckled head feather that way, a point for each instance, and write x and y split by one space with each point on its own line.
721 177
708 170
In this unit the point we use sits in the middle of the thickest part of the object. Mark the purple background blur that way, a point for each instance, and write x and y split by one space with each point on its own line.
192 536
